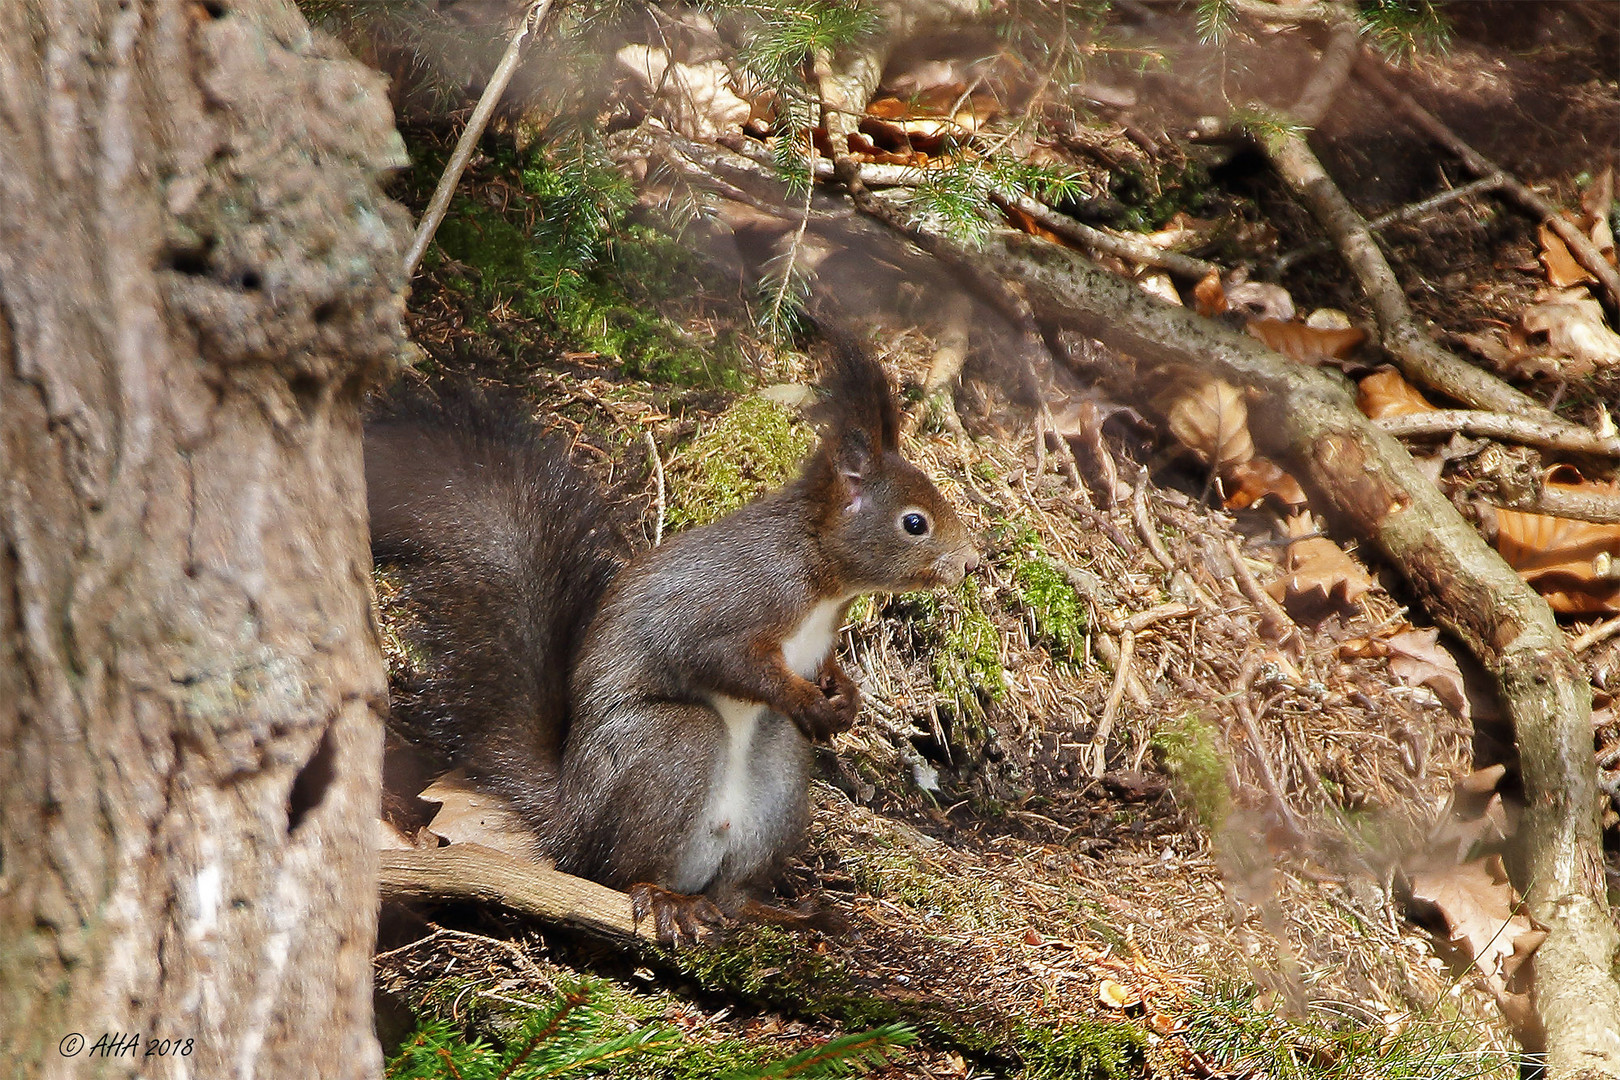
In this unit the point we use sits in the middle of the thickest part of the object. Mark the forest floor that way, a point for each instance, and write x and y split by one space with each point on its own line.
1266 860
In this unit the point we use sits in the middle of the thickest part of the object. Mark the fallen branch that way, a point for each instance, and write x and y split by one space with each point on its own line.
1565 437
1409 212
1580 246
475 872
1598 506
498 80
1131 248
1418 357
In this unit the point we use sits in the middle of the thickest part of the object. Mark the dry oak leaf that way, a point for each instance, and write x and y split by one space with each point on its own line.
1306 344
1482 913
1417 658
1209 298
1319 575
1570 563
1597 203
1573 322
471 817
1562 269
1568 478
390 838
932 114
1247 482
1386 393
1212 420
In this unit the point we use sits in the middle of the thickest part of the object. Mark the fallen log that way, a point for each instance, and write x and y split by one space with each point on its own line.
475 872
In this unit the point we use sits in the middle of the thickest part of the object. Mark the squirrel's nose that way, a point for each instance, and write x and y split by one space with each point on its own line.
971 563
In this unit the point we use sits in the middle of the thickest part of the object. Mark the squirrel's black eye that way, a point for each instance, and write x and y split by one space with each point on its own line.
915 524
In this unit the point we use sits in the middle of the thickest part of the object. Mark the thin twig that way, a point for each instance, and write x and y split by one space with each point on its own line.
1043 424
658 482
1268 775
1082 494
1580 246
1275 625
1144 523
1597 635
1105 726
1529 431
1125 247
1409 212
1144 619
498 80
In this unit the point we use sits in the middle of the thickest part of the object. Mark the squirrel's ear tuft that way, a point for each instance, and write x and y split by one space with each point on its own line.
859 399
853 462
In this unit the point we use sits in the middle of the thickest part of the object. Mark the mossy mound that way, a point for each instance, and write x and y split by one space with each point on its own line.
753 447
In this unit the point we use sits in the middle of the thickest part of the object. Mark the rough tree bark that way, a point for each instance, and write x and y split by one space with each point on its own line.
198 274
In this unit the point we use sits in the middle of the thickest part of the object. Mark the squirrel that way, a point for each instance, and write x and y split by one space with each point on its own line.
651 718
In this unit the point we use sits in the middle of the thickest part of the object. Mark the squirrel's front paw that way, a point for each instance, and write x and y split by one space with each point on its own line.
832 708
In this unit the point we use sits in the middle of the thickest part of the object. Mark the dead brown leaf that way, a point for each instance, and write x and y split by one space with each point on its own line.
1386 393
1570 563
1306 344
1208 295
941 110
471 817
1212 421
1248 482
1573 322
1417 658
390 838
1482 913
1023 221
1562 269
1597 203
1319 576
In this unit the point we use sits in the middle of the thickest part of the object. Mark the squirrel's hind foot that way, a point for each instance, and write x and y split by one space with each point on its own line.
678 918
805 915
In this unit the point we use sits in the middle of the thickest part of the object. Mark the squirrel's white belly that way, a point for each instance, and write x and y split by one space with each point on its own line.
812 639
748 780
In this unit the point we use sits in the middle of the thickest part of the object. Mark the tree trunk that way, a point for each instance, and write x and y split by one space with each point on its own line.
198 274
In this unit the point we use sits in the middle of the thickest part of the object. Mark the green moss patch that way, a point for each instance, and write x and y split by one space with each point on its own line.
754 447
968 662
1043 591
1187 748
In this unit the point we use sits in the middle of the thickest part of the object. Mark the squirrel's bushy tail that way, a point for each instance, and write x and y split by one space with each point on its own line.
506 548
